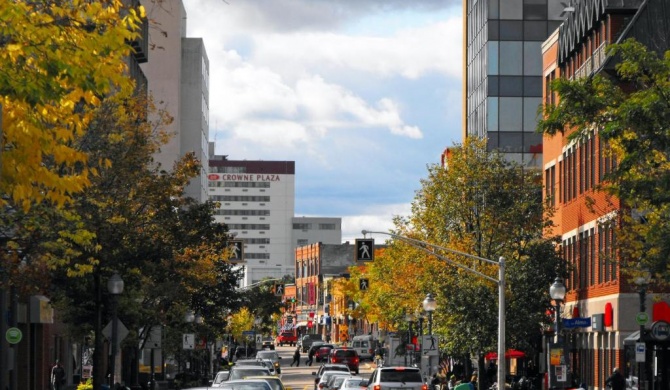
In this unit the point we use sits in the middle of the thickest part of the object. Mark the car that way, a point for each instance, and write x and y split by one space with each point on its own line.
347 356
323 352
272 356
354 383
258 363
274 381
241 372
327 376
245 351
307 340
286 338
268 343
365 345
315 346
327 368
396 377
220 377
246 384
335 381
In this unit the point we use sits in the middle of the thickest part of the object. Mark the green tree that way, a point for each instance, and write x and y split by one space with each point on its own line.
630 111
484 206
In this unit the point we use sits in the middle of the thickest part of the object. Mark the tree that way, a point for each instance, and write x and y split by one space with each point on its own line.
630 111
482 205
58 60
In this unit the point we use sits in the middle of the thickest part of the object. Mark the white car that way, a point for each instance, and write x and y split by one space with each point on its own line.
397 378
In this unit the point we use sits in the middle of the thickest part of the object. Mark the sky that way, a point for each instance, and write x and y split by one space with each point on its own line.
363 95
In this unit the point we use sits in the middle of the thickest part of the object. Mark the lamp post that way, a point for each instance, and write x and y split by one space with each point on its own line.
409 317
429 306
642 282
115 288
557 293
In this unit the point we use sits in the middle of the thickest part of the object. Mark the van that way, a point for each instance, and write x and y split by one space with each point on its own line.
306 341
365 346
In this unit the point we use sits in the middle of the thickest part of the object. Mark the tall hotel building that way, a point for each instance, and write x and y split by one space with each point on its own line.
503 72
178 80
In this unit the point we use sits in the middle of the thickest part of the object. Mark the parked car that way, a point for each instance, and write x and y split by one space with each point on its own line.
397 378
286 338
307 340
342 368
347 356
272 356
323 352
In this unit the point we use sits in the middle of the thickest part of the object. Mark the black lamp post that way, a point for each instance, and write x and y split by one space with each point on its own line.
642 281
115 288
430 305
557 293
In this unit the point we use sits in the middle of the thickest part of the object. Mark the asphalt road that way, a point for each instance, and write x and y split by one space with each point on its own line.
301 378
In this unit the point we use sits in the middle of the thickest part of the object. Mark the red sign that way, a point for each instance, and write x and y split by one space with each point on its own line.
311 314
213 176
309 324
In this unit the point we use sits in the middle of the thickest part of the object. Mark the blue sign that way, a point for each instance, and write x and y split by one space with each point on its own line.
576 322
248 333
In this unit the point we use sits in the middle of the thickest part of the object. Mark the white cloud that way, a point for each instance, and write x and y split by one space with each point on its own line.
377 219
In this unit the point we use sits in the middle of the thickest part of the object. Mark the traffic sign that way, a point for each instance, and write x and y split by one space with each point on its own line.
363 284
278 289
642 318
188 341
365 249
237 250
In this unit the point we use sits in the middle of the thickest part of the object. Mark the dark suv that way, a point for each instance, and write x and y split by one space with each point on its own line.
346 356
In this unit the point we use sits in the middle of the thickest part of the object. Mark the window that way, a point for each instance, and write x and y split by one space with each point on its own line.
327 226
302 226
302 242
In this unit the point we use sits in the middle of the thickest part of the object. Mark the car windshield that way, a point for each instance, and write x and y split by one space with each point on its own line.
327 375
246 385
336 368
345 353
400 376
241 373
356 382
221 376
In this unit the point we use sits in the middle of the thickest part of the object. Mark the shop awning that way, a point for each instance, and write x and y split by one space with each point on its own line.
632 339
510 354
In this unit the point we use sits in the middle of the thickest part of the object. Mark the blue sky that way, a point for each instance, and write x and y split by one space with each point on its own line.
362 94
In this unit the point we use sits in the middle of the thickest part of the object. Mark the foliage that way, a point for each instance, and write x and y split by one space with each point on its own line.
57 61
480 205
630 112
264 303
241 321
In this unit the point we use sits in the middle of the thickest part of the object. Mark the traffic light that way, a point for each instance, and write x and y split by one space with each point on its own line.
278 289
292 299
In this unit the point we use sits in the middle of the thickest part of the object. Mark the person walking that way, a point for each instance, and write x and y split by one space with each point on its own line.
616 381
296 358
310 356
57 376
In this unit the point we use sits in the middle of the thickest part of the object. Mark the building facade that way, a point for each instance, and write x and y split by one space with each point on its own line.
503 72
598 295
308 230
178 81
257 202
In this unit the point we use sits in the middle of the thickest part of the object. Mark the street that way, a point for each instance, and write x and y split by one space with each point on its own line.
301 378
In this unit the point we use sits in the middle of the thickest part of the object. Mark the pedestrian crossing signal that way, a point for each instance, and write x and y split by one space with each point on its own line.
237 250
278 289
363 284
365 249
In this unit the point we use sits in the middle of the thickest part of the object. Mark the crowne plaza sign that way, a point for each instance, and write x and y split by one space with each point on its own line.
243 177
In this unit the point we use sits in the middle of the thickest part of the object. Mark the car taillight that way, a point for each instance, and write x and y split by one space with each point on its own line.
322 385
377 387
355 360
424 387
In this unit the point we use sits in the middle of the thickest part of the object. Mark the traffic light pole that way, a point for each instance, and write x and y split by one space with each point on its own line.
432 249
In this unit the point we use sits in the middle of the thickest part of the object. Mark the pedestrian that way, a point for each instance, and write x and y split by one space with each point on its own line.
296 358
57 376
452 382
310 356
616 381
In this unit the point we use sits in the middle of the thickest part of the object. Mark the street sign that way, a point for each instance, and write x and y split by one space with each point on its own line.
365 249
642 318
278 289
188 341
640 352
121 334
363 284
660 330
579 322
13 335
429 345
248 332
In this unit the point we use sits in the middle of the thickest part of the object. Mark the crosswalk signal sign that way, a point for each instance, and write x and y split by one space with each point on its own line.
237 250
278 289
363 284
365 249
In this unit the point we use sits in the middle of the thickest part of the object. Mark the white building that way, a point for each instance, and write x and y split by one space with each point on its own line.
177 75
257 202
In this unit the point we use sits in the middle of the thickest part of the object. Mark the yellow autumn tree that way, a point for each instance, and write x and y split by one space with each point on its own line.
57 61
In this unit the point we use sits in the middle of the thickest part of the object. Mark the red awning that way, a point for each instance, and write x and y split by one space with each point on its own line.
510 354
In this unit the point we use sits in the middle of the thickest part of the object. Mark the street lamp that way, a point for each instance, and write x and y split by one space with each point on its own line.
115 288
557 293
430 305
642 281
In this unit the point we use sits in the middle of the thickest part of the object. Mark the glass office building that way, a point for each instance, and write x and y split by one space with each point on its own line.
503 88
